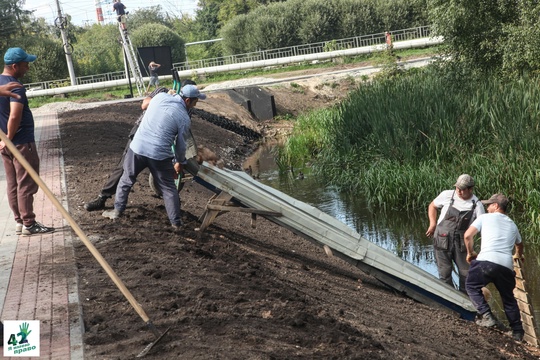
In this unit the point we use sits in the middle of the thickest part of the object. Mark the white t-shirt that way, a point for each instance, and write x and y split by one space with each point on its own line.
499 235
443 202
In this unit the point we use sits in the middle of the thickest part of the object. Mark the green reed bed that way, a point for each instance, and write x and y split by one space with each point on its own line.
400 142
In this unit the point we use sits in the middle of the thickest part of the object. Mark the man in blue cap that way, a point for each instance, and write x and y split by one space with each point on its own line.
166 122
17 122
109 188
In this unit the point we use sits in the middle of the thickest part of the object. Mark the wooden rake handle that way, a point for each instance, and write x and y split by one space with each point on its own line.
138 308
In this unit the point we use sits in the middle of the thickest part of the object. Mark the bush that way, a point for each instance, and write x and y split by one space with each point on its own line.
296 22
51 60
160 35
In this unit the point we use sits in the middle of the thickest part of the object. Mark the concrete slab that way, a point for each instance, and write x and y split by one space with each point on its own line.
262 102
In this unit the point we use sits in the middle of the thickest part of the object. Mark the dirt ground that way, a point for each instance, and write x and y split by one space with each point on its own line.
236 292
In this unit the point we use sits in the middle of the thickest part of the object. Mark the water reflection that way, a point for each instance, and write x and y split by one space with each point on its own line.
392 230
402 233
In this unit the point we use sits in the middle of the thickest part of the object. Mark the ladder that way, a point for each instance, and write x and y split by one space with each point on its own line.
132 60
525 306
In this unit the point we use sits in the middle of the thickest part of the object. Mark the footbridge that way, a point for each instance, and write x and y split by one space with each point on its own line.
237 191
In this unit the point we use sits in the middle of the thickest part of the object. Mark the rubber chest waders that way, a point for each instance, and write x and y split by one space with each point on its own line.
450 245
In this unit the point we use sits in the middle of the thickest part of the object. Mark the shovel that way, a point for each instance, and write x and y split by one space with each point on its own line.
114 277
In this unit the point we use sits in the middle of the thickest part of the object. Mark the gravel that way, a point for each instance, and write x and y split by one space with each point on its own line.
59 107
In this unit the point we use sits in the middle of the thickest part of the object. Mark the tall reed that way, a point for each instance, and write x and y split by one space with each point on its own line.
400 142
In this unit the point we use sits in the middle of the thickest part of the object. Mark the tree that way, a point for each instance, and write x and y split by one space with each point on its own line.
400 14
230 9
298 22
522 47
475 32
12 18
150 15
320 20
159 35
99 50
51 61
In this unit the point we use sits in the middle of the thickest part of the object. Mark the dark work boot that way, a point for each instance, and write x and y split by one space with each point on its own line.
518 335
97 204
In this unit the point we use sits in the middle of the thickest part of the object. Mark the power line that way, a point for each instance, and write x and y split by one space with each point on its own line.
81 10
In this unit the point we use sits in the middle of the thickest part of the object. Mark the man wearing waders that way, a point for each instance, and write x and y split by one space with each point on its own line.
459 208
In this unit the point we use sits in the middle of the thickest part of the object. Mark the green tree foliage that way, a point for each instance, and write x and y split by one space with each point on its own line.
481 34
235 35
320 19
207 23
98 51
230 9
212 15
306 21
159 35
359 18
206 27
521 52
12 17
401 14
150 15
273 28
225 10
51 60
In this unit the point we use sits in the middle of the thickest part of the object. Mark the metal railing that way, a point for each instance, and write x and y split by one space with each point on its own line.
306 49
81 80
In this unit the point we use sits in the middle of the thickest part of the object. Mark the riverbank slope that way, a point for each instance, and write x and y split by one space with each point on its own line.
237 292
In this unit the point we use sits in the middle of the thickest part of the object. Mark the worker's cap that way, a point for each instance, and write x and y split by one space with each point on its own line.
499 199
464 181
191 91
17 55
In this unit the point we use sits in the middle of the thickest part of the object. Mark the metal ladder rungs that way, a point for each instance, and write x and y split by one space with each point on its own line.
132 60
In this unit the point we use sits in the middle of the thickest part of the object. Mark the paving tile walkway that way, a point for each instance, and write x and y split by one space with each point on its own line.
38 278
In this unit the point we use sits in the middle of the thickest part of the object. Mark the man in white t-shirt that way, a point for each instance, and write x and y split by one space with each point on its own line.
494 264
459 207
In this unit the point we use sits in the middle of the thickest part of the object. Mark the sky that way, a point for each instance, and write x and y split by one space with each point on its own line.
83 12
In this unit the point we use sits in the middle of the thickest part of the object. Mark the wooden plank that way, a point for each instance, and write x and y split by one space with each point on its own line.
527 318
242 209
520 295
520 284
529 329
210 215
525 308
530 339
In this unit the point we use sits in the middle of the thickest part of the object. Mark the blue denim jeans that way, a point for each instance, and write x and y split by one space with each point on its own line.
482 273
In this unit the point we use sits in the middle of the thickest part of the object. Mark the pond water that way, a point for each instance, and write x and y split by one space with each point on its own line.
402 233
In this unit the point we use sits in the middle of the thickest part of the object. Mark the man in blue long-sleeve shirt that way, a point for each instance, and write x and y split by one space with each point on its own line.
165 123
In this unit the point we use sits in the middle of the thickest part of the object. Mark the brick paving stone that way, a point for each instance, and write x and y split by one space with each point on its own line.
42 274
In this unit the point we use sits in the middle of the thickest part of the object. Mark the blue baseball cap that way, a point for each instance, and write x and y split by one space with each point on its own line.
191 91
17 55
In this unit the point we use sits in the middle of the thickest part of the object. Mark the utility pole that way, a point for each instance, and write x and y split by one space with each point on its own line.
61 22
